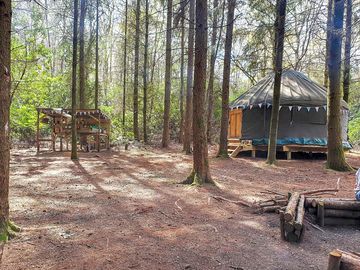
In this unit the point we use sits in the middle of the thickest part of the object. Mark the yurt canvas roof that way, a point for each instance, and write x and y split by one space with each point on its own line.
296 90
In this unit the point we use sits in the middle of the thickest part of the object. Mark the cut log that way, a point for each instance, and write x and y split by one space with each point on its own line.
320 214
314 201
283 202
282 223
349 260
289 226
300 214
334 221
344 205
334 260
342 213
270 209
291 207
292 237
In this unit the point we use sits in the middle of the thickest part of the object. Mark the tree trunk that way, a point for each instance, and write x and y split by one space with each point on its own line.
210 91
74 155
346 83
166 128
136 73
82 55
97 58
124 67
226 81
146 47
200 173
328 35
335 156
189 82
280 31
181 135
5 86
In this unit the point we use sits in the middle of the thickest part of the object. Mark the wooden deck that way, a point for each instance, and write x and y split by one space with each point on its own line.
235 146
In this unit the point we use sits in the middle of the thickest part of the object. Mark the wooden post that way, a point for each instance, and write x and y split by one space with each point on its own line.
288 155
282 224
320 213
253 153
53 141
61 131
334 260
98 136
38 131
61 143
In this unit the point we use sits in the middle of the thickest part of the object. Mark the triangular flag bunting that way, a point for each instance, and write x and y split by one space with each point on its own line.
290 108
260 105
308 108
299 108
251 107
317 109
280 108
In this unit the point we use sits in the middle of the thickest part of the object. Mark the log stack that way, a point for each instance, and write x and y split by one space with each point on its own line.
292 219
334 211
341 260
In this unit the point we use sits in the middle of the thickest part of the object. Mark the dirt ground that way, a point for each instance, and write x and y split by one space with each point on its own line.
126 210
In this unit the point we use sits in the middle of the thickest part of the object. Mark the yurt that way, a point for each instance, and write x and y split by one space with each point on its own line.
302 118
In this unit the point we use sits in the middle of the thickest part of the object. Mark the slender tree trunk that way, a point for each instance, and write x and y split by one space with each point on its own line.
74 155
335 158
82 54
346 83
166 128
136 73
210 91
189 82
226 81
276 26
124 67
181 133
5 86
97 58
200 173
146 48
328 34
280 18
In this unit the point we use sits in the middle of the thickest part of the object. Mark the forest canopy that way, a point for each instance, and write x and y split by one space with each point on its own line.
42 47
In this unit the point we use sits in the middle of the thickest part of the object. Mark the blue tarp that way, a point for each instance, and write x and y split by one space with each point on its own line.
301 141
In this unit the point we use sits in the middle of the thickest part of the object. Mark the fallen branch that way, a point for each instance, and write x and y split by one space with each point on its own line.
219 198
318 191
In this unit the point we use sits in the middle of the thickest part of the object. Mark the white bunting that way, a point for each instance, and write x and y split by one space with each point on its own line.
325 107
280 108
251 107
308 108
290 108
268 105
260 105
299 108
317 109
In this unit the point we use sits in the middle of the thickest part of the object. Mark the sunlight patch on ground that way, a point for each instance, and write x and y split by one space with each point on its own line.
128 188
21 203
252 224
172 234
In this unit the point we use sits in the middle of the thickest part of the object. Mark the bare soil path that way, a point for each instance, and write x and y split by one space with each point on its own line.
125 210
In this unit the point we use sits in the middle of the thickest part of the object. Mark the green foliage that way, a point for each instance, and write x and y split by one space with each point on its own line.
33 86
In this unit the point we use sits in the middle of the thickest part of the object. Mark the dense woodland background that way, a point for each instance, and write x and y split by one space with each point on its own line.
42 48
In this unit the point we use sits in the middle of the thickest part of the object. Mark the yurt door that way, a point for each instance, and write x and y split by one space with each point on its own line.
235 123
